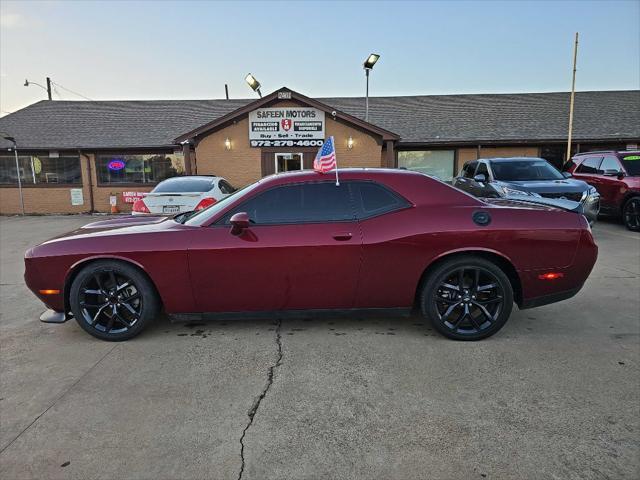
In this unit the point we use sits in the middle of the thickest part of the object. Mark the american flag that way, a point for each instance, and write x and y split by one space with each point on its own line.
326 157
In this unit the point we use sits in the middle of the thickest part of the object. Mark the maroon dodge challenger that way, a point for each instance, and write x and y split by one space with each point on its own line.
297 244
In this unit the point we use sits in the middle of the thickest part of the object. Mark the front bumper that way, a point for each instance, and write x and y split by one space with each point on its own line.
591 207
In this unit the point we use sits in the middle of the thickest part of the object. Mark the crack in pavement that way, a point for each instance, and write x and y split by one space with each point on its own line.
256 404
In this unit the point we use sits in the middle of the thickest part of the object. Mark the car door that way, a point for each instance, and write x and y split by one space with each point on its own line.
389 267
609 184
301 251
588 170
463 181
482 189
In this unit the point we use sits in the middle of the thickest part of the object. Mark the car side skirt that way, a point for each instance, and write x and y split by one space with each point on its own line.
547 299
291 314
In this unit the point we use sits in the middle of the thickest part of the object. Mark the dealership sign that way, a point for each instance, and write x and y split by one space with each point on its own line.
286 127
132 197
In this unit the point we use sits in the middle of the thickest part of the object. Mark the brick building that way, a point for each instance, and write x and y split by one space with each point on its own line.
74 155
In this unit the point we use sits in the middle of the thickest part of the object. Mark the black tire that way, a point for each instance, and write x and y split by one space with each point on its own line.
113 300
631 214
477 310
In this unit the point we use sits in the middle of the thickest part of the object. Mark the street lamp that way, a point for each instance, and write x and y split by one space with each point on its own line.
368 65
15 151
253 83
47 88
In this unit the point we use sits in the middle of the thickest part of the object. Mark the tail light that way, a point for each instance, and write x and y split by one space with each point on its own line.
204 203
140 207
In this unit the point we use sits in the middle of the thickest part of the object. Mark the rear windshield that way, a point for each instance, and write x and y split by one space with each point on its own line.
632 164
523 170
185 184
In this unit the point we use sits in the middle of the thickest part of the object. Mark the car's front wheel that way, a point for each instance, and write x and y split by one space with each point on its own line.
112 300
467 298
631 214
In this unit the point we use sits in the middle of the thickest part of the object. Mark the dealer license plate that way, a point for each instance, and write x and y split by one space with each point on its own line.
171 209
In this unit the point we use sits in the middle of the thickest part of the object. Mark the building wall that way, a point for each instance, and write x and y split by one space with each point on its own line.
45 199
242 164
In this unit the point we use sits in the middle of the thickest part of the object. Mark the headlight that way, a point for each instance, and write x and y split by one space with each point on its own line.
513 191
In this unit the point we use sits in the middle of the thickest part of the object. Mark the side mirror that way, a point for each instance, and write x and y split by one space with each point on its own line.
480 178
567 174
611 172
620 175
239 223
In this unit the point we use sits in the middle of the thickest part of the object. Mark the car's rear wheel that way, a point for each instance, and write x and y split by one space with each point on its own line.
631 214
467 298
112 300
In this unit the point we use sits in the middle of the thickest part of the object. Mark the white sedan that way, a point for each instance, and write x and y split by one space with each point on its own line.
183 194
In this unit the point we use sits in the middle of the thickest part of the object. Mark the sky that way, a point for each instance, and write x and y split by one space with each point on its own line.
188 50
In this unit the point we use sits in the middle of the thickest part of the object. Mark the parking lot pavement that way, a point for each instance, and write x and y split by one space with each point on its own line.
555 394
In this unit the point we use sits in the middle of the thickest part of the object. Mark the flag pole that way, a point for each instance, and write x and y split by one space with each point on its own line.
573 91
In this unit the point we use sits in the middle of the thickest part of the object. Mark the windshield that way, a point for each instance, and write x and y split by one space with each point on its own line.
524 170
185 184
632 164
201 217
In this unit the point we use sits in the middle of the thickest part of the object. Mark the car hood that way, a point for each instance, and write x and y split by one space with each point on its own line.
118 226
548 186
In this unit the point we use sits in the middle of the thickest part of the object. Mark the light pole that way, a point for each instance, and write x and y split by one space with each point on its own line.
253 83
368 65
15 151
47 88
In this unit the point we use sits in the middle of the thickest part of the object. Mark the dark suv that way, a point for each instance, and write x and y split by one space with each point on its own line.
616 176
529 179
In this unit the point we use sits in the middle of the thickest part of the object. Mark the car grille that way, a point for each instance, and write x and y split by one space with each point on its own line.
575 196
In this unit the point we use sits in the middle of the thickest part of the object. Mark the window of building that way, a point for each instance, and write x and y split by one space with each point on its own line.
138 168
590 165
439 163
40 169
303 203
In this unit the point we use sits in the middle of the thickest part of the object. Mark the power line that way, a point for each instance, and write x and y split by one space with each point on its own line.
70 91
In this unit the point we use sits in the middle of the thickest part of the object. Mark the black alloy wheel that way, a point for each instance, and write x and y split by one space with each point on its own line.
112 300
468 298
631 214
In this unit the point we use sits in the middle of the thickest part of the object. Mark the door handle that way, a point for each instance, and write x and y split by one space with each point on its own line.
342 236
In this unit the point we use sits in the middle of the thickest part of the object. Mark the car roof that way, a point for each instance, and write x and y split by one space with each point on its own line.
511 159
351 173
619 152
189 177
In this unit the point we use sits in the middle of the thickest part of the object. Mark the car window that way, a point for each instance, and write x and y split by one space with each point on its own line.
524 170
590 165
185 184
301 203
482 169
469 169
373 199
609 163
631 164
225 187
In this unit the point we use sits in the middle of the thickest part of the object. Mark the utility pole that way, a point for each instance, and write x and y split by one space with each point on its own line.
573 92
49 87
226 91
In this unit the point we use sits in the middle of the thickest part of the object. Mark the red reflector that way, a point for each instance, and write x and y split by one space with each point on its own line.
205 202
551 276
140 207
49 292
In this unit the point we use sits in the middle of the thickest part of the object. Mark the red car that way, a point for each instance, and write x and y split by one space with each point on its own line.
383 241
616 176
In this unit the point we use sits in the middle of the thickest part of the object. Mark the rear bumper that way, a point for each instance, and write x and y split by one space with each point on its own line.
547 299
